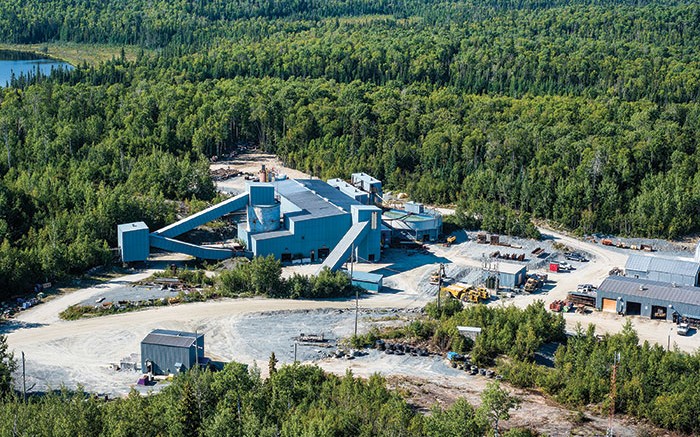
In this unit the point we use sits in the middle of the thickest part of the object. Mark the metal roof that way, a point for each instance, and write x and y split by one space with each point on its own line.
270 235
373 278
330 194
313 203
667 265
650 289
365 177
341 184
471 329
126 227
164 337
510 268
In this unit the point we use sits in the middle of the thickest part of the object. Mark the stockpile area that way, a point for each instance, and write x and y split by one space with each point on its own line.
316 332
132 294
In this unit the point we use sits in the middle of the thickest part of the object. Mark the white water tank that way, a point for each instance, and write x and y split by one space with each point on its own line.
263 218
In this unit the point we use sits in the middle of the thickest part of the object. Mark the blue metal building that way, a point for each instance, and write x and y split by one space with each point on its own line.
309 219
642 297
350 190
133 241
414 222
368 281
164 352
369 185
511 275
660 269
289 219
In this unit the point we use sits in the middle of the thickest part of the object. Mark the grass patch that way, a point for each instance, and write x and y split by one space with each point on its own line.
76 54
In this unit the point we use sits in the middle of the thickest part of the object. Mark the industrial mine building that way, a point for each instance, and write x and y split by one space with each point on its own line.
661 269
166 352
308 218
295 219
654 299
654 287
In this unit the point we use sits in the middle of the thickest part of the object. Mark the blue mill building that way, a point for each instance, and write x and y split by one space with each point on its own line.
290 219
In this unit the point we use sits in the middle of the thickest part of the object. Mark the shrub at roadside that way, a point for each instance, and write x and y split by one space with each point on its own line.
263 277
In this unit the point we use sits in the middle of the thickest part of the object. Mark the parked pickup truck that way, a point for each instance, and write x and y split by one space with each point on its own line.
575 256
585 288
683 329
565 266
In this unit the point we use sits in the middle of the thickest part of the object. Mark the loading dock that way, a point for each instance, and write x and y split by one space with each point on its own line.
659 312
324 252
634 308
610 305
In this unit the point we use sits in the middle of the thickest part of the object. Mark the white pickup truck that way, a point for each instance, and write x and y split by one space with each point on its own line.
683 329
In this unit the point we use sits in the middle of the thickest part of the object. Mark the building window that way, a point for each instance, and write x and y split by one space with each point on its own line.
374 220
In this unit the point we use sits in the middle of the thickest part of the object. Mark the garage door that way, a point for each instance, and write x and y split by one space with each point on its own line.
610 305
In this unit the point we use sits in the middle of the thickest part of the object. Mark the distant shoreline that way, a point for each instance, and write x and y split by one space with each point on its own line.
73 53
29 55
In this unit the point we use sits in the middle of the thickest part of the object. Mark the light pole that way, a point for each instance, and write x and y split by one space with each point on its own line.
357 291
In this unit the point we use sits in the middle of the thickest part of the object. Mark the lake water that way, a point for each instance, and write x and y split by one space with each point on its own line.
25 63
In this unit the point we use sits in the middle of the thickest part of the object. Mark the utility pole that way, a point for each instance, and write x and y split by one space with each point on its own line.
196 378
24 380
441 269
295 352
357 292
613 392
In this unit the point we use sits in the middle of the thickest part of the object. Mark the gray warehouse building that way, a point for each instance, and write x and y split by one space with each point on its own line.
641 297
164 352
659 269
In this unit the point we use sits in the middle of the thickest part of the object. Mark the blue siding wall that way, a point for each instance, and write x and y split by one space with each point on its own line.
678 278
261 193
133 242
512 280
307 235
370 249
164 358
369 286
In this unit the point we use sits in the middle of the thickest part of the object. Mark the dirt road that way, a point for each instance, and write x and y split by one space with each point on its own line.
47 313
81 351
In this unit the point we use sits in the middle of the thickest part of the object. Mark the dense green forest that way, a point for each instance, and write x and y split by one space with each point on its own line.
581 112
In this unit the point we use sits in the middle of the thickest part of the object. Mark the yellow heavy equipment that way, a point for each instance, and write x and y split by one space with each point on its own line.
436 276
467 292
532 285
473 296
450 241
459 290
